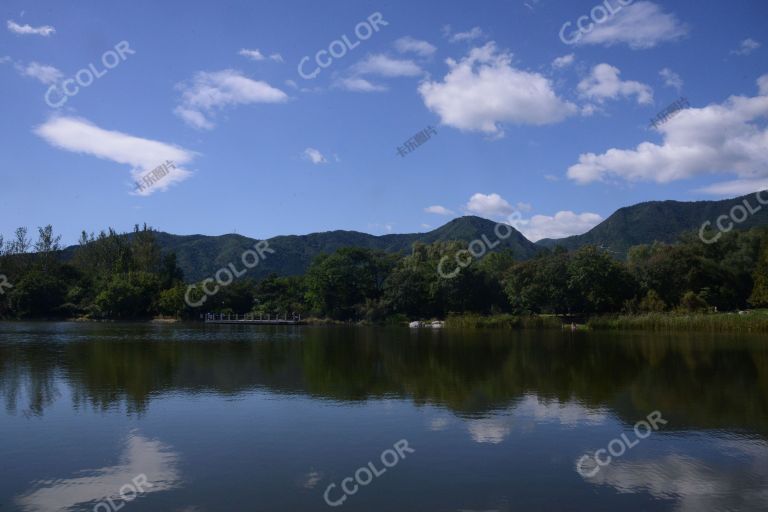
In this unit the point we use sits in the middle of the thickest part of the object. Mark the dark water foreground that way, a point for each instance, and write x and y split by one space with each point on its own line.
224 418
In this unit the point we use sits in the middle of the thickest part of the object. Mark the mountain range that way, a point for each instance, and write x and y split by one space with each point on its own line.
200 256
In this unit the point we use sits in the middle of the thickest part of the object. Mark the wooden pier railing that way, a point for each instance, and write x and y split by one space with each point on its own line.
249 318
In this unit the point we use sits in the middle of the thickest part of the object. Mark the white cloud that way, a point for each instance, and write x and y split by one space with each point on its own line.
314 156
256 55
727 138
762 85
483 90
523 207
210 91
551 178
671 79
489 205
193 118
564 61
45 74
357 84
45 30
470 35
746 47
604 83
561 225
438 210
81 136
251 54
408 44
735 187
640 25
383 65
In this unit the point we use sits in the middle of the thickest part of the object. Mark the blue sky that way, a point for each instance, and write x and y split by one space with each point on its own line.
552 135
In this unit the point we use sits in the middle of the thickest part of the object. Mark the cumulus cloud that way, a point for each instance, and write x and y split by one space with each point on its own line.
489 205
314 156
251 54
438 210
43 73
720 138
45 30
142 155
470 35
276 57
640 25
735 187
408 44
762 85
357 84
484 90
560 225
208 92
380 64
564 61
523 207
604 83
746 47
671 79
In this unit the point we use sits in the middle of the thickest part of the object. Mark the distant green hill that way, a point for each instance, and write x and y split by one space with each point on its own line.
662 221
199 256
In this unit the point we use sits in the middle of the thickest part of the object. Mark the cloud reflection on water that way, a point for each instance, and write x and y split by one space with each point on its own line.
734 477
140 456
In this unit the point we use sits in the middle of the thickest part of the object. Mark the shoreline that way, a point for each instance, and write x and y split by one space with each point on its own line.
754 321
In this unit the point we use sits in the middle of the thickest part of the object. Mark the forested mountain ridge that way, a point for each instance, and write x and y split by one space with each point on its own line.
199 256
662 221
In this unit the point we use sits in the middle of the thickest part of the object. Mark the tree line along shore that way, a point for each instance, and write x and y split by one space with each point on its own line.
685 285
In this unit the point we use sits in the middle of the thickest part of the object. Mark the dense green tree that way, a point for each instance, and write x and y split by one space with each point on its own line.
597 283
127 276
339 284
131 295
540 285
37 294
280 295
759 296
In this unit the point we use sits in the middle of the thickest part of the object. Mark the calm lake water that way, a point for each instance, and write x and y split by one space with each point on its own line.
223 418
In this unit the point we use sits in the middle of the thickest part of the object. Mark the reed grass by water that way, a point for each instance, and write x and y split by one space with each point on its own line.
755 321
503 322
